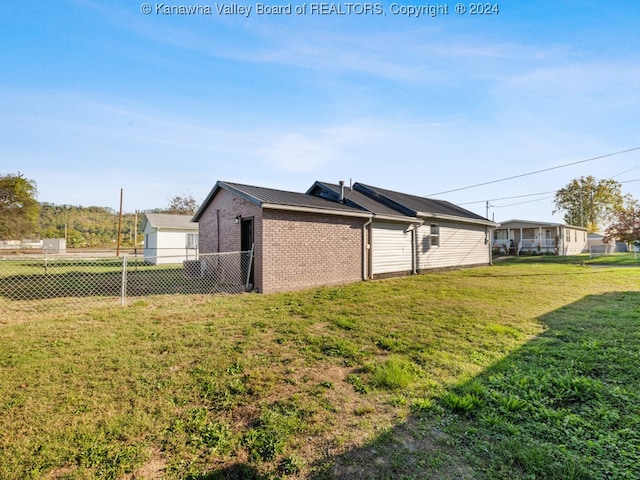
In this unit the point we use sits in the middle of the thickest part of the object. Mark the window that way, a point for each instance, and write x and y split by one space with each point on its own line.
192 240
575 236
500 235
435 235
567 236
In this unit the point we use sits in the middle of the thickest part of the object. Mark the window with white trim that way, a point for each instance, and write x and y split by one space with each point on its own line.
500 235
435 234
192 240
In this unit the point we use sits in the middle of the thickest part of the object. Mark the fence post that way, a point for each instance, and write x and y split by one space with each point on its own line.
123 290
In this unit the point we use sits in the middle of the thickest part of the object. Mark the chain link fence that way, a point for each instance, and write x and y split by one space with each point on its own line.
65 277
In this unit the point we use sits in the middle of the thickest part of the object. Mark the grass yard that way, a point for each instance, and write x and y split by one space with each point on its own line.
524 370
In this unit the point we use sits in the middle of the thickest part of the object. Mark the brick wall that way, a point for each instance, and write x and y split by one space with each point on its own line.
293 250
304 250
225 206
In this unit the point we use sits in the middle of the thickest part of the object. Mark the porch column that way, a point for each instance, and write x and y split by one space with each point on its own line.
519 243
540 237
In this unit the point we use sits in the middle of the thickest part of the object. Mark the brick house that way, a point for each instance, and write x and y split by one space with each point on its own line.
300 241
333 235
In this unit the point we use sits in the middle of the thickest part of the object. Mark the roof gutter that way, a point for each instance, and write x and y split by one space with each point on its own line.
458 219
391 218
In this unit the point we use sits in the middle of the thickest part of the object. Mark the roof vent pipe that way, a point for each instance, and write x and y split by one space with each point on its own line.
341 191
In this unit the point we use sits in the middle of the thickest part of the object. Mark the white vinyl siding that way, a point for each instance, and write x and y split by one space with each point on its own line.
391 245
572 246
459 245
168 247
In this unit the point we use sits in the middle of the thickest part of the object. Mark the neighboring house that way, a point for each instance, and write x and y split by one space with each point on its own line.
169 238
518 237
596 244
333 234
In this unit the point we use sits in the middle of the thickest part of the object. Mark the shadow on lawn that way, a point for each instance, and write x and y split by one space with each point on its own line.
564 406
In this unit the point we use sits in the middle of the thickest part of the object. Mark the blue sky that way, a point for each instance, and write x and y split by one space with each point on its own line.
97 96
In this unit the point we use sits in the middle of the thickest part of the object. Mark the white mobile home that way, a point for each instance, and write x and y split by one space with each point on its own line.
522 237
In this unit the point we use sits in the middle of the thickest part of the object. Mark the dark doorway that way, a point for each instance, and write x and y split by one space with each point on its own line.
246 242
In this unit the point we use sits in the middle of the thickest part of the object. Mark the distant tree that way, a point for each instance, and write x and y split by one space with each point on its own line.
18 207
95 227
588 202
626 226
182 205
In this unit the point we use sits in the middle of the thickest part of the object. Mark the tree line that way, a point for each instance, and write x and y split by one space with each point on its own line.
23 217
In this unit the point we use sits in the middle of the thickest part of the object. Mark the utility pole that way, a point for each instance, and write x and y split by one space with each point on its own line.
135 233
487 208
119 227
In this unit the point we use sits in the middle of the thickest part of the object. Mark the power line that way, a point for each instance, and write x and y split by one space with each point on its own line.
535 194
507 198
618 174
537 171
522 203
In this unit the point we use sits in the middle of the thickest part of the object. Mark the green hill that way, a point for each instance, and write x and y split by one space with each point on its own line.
93 227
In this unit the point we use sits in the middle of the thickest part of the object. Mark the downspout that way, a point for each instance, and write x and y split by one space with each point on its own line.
414 267
218 230
365 248
414 247
370 250
487 239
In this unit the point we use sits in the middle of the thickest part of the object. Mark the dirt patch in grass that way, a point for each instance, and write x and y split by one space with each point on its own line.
153 469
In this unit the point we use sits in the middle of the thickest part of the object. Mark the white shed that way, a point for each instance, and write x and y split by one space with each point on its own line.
169 238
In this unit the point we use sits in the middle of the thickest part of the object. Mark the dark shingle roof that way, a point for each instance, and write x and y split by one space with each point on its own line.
414 205
266 197
354 198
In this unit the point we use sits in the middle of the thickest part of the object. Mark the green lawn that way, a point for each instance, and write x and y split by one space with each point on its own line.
614 259
523 370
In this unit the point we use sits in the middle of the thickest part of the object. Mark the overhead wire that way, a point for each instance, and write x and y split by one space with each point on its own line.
599 157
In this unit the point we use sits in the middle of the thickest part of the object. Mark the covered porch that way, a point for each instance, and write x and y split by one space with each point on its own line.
541 239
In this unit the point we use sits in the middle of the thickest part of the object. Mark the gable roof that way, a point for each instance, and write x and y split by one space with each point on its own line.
169 221
354 198
415 206
281 200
